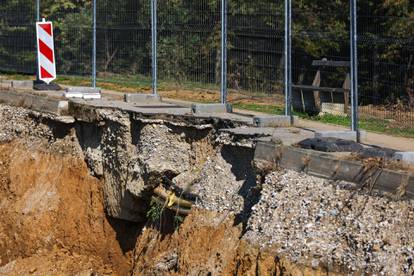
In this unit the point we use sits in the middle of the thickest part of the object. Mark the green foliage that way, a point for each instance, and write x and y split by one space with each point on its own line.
178 220
154 214
73 37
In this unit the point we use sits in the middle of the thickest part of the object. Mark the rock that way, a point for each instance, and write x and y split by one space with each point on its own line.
330 145
358 231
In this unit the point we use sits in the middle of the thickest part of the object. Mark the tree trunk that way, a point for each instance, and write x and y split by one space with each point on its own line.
409 83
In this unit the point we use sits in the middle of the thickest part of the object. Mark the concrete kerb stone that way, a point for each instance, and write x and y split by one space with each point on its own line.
274 121
142 98
405 157
83 89
345 134
82 92
35 102
22 84
73 94
328 166
211 108
5 83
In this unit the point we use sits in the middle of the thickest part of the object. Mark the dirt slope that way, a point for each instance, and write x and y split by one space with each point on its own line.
208 243
52 216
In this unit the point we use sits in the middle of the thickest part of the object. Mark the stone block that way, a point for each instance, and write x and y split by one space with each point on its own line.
211 108
142 98
83 90
405 157
22 84
274 121
345 134
333 108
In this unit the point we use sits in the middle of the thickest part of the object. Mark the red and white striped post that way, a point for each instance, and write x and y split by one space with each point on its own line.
45 51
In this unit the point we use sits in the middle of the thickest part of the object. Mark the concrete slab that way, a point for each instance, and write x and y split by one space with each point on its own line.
142 98
287 136
35 102
65 119
73 94
5 83
274 121
405 157
87 93
92 96
345 134
211 108
22 84
83 90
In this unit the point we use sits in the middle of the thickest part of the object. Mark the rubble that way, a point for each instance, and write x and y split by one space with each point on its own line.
226 181
310 221
19 122
315 222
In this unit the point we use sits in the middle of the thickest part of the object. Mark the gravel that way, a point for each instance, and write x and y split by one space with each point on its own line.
309 220
17 122
34 129
217 187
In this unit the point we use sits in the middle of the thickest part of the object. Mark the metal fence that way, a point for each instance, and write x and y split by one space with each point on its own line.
17 36
189 54
386 47
256 48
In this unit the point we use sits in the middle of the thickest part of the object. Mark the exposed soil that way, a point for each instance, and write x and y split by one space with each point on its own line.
61 185
208 243
52 219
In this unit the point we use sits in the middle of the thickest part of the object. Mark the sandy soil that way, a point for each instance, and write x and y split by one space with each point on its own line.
52 219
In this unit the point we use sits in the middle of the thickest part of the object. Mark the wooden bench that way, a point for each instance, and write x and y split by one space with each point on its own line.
310 98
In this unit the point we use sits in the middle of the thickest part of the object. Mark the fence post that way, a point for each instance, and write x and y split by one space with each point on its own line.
37 10
154 45
223 88
354 68
288 58
94 45
37 20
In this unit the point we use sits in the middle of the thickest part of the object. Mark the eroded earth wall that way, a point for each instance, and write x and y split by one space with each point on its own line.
79 192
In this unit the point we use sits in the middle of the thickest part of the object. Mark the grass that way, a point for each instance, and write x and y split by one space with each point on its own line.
122 82
135 82
143 83
369 124
269 109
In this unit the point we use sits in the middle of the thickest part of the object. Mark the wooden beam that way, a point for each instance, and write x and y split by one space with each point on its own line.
330 63
320 89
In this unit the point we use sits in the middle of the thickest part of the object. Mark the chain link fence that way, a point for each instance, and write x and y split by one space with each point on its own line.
189 46
320 58
386 49
124 42
17 36
189 53
255 51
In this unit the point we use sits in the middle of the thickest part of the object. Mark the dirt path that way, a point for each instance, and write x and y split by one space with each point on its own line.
378 139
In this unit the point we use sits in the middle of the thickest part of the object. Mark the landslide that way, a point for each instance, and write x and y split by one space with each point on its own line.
52 219
208 243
